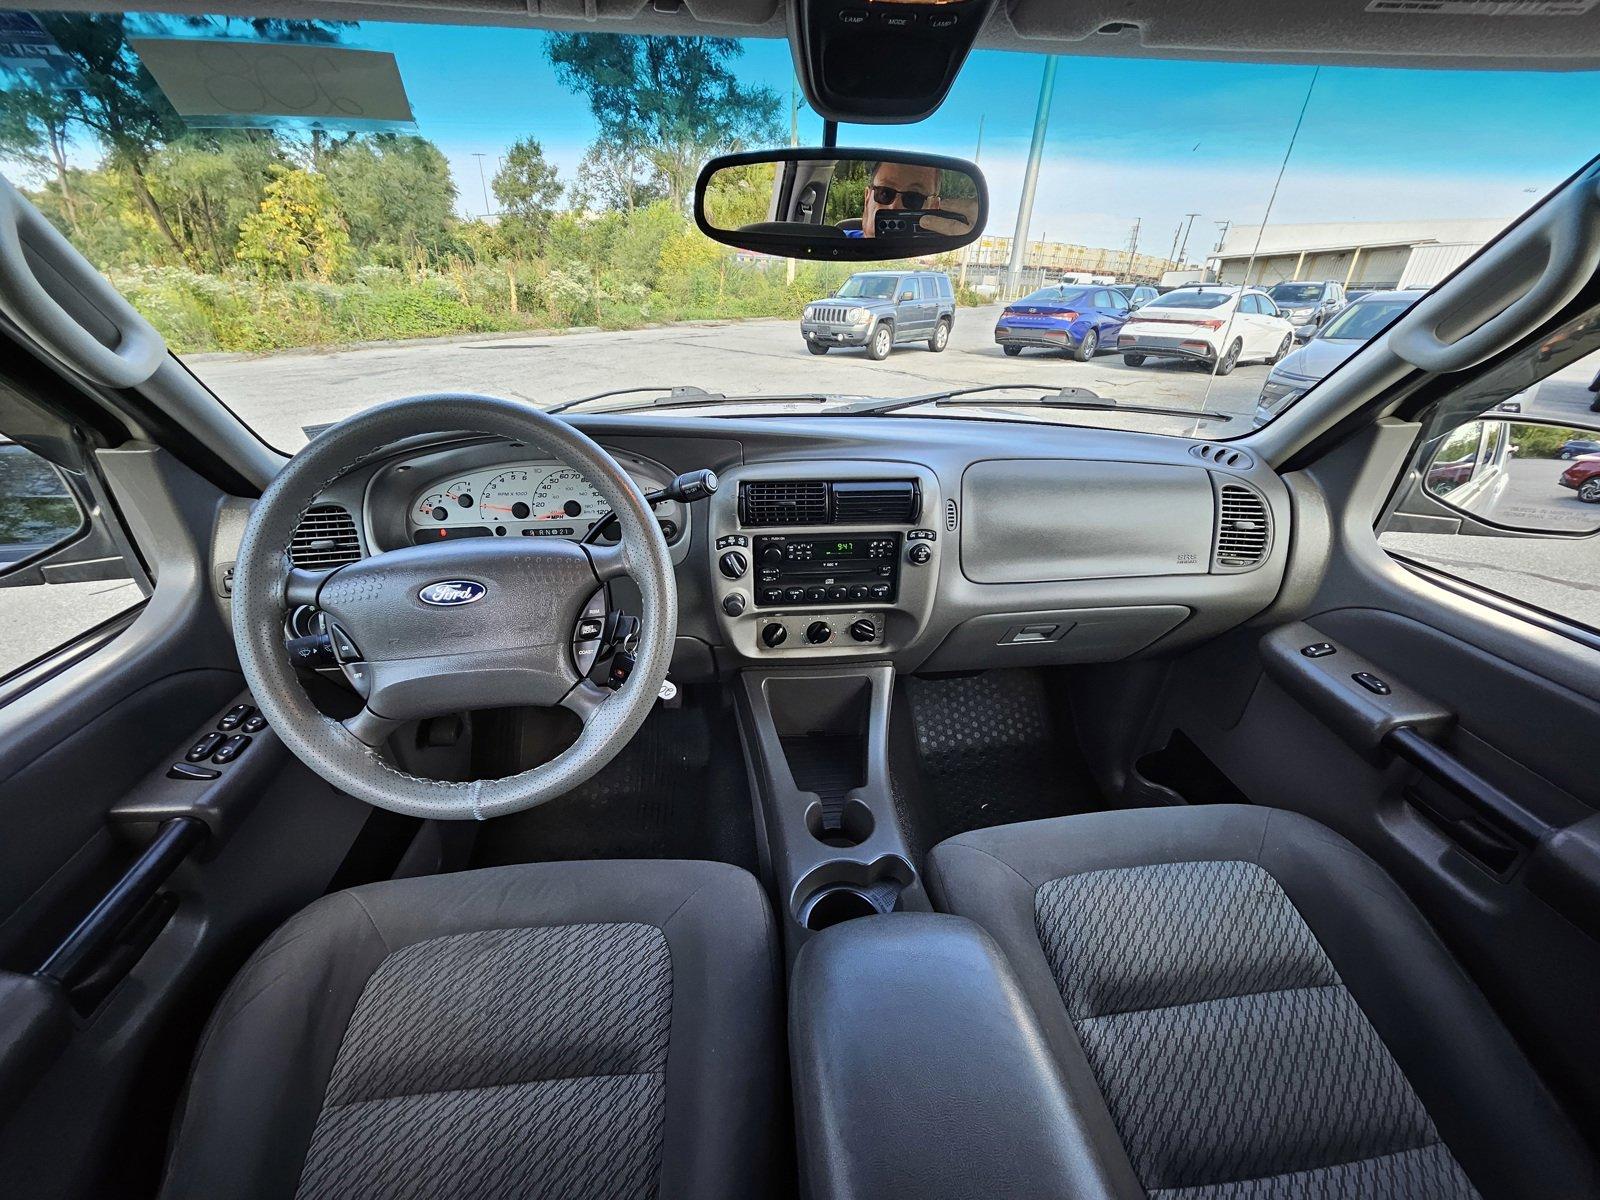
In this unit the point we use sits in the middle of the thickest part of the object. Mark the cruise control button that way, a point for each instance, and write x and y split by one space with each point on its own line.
234 717
231 749
204 747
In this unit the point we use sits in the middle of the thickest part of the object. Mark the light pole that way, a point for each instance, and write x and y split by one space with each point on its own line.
1030 180
966 255
482 181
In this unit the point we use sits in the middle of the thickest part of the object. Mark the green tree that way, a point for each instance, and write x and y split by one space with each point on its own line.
33 130
397 197
527 187
297 231
675 99
614 174
208 183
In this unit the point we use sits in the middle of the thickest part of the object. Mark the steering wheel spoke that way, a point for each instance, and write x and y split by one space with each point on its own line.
584 698
302 587
369 728
609 562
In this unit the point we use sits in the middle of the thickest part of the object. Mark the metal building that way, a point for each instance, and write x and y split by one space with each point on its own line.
1359 254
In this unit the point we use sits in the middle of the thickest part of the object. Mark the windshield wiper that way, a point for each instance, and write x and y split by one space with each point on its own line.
674 394
1077 398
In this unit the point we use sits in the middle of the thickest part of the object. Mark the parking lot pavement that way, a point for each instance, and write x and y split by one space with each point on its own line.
279 394
35 619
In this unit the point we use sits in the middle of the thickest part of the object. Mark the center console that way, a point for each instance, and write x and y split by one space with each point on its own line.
825 559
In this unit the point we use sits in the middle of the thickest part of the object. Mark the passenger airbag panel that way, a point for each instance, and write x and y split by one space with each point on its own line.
1048 520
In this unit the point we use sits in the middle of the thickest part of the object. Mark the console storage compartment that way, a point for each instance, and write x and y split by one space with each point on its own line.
919 1070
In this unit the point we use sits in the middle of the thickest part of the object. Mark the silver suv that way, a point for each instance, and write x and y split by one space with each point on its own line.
882 309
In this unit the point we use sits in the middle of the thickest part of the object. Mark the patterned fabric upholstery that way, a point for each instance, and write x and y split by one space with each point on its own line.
502 1063
1234 1061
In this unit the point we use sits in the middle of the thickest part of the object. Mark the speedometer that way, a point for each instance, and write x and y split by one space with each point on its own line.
566 495
505 498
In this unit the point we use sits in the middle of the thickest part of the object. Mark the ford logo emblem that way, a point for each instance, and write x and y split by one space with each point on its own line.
449 592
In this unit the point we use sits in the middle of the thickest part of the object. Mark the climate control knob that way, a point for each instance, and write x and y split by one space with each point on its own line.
733 564
818 632
863 630
774 635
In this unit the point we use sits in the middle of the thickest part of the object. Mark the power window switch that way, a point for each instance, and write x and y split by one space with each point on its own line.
254 723
204 748
1319 650
192 772
234 717
231 749
1372 683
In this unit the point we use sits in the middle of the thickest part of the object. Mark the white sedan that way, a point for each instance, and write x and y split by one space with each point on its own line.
1217 324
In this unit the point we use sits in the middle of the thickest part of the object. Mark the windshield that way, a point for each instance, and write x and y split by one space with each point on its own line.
869 287
320 216
1295 293
1187 299
1363 320
1055 295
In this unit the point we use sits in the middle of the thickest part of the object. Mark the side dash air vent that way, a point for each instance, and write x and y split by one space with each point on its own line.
869 502
775 502
950 516
325 537
1244 530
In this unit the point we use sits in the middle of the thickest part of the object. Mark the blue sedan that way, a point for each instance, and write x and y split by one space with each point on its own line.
1072 317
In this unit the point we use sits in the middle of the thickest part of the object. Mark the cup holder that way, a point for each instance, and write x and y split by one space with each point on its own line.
835 905
842 891
840 824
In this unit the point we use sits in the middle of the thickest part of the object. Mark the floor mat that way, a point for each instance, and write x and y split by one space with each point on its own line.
991 749
677 790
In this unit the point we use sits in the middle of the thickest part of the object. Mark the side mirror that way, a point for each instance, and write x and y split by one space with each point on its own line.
876 204
907 295
1519 475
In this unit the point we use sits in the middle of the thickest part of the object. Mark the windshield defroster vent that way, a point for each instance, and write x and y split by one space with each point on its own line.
325 537
1244 529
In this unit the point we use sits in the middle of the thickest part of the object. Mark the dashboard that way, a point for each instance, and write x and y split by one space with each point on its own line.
934 544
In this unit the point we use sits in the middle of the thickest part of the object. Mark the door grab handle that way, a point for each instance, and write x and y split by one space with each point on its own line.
1467 785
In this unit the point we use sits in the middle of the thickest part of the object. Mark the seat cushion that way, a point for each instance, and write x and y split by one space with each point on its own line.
552 1030
1262 1011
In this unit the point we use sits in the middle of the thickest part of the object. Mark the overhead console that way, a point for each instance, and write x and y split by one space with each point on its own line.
842 49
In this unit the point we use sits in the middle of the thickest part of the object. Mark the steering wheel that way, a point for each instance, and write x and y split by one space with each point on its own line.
442 627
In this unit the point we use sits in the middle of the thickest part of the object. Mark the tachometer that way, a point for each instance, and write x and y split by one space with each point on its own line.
567 496
506 498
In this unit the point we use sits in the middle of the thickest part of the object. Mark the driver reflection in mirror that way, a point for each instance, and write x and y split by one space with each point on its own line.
900 187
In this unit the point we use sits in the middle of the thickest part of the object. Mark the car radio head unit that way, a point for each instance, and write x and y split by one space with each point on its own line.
851 569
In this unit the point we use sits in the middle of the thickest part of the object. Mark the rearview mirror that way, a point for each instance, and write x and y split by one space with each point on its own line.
1518 475
850 205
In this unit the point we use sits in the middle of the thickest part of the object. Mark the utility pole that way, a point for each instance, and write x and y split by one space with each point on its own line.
1133 244
1183 248
483 182
1030 180
966 255
1172 255
1222 233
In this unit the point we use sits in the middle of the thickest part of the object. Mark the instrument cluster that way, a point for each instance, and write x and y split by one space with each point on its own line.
531 499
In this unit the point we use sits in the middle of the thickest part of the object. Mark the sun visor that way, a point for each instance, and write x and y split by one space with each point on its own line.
711 12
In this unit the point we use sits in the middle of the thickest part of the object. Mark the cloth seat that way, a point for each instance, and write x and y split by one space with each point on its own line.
571 1029
1247 1006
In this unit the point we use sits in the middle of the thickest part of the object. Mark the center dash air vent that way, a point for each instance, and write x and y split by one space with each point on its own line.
325 537
1244 530
775 502
868 502
820 502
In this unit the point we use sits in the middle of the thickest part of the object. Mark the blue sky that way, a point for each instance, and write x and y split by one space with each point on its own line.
1127 139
